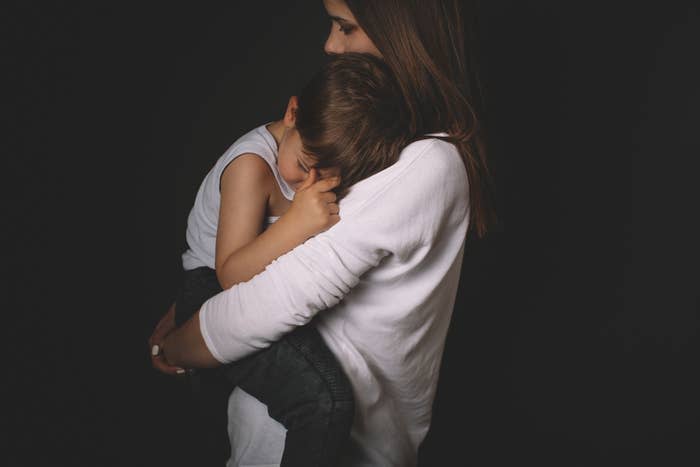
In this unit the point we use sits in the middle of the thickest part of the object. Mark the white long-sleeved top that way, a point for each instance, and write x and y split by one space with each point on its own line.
386 276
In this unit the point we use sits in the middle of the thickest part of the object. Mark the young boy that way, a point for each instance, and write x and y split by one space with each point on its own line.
347 124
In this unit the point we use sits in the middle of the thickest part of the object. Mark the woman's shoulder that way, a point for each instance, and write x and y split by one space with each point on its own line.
431 149
427 166
430 160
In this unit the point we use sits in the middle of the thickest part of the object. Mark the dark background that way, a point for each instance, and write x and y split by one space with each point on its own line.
574 341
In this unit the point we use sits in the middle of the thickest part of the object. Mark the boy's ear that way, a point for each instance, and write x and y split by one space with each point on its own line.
290 116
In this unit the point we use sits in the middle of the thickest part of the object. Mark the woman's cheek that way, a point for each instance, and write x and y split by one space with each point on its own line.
365 45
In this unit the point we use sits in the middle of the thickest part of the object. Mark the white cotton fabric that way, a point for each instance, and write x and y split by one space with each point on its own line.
253 430
383 282
203 221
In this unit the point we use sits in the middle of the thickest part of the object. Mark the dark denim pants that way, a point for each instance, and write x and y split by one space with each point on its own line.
298 378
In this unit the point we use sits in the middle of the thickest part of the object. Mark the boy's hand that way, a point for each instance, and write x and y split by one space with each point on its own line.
314 208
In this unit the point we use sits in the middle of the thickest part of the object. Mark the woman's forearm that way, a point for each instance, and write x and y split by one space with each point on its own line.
251 315
185 347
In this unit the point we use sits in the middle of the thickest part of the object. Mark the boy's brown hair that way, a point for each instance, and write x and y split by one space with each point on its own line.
352 116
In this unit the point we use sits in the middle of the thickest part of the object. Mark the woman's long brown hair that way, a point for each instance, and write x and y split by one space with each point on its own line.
424 43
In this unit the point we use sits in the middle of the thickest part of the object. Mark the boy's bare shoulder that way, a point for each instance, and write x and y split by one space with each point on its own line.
250 165
248 169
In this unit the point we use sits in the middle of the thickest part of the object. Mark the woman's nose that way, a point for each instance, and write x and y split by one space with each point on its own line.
333 43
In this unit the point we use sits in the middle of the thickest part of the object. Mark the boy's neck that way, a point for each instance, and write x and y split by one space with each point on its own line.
276 129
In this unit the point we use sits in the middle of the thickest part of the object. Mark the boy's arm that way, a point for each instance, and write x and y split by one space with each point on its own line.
245 190
242 248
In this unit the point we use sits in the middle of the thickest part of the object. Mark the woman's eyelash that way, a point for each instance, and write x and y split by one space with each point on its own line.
346 29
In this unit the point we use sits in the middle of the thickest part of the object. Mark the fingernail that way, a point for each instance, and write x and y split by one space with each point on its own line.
180 371
155 350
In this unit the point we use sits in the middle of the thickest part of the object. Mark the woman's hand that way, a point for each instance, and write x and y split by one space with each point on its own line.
164 327
314 208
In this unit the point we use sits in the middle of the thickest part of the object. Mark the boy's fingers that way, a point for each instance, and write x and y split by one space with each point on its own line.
328 196
310 180
327 184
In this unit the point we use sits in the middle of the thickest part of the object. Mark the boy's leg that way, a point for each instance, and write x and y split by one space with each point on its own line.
198 286
305 389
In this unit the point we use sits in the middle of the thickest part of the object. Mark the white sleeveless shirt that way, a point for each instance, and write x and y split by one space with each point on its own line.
203 220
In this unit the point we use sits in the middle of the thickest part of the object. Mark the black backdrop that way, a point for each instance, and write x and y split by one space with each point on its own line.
575 337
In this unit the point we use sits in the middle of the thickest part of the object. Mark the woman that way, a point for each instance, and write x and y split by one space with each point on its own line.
389 270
